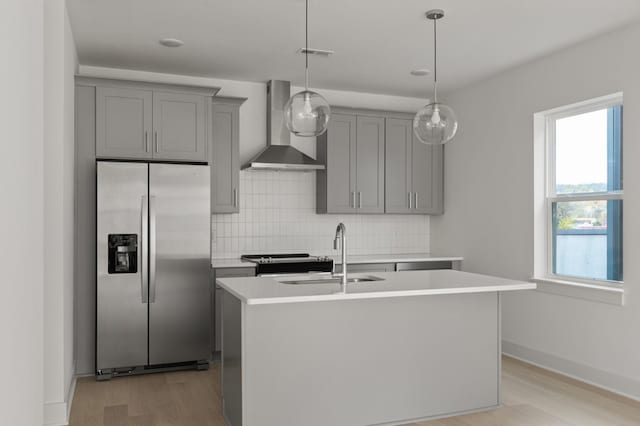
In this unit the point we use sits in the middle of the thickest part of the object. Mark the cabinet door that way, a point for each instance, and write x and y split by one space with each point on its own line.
179 127
225 163
370 164
123 123
427 178
341 170
398 146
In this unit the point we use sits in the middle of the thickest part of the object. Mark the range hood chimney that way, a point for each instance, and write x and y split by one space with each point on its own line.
279 154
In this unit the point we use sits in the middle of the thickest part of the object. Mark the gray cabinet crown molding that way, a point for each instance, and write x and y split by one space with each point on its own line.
372 112
209 91
228 100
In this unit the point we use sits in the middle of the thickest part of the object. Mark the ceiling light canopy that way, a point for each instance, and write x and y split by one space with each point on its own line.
307 112
420 72
435 123
171 42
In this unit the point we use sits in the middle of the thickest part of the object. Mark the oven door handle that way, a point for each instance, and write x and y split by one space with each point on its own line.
303 274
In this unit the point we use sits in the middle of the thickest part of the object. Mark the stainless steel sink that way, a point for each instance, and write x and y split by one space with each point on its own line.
334 280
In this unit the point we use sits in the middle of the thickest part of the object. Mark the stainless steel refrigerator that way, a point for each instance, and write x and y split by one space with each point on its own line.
153 263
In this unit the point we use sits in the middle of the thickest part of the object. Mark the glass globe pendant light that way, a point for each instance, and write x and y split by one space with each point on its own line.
435 123
307 113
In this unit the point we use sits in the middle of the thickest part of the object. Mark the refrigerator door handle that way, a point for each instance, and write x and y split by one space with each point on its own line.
144 251
152 249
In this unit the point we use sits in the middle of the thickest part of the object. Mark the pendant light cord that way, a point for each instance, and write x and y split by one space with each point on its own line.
435 62
306 45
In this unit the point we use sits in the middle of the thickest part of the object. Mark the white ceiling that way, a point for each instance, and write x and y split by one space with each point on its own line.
377 42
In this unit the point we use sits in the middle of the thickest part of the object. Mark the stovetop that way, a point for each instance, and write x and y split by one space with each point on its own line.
289 263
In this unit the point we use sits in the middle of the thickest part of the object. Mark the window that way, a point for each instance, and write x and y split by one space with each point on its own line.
583 191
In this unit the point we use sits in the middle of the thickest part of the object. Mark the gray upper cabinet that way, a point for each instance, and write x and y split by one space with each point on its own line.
179 127
414 172
427 178
139 120
375 164
123 122
224 160
336 186
370 164
353 151
398 177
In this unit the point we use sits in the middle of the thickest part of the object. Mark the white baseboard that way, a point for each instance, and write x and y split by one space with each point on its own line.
611 382
57 413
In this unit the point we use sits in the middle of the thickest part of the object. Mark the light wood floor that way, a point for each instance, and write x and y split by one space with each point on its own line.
531 397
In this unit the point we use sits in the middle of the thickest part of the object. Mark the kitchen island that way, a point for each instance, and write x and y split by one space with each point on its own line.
407 346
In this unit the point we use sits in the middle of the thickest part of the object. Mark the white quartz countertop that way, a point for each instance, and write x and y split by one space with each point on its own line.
269 290
367 258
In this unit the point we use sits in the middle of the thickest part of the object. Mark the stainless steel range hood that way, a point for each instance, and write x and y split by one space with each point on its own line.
279 154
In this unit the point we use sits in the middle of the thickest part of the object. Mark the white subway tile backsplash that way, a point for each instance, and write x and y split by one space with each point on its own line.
277 214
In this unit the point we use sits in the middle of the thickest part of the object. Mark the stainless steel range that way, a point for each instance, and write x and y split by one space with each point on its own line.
289 263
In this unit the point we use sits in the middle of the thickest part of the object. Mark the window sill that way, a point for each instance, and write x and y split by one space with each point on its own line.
578 290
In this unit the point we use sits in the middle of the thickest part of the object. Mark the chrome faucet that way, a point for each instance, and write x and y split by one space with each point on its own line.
341 235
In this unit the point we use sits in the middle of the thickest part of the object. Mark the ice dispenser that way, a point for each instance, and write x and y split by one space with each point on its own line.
123 253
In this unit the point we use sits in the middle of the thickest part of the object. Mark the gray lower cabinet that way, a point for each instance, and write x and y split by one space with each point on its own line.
124 122
179 127
224 159
353 150
216 301
414 172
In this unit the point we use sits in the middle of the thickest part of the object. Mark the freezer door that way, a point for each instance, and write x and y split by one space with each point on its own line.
121 323
179 263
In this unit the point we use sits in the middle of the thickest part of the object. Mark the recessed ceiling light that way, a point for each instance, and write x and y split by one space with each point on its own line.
420 72
171 42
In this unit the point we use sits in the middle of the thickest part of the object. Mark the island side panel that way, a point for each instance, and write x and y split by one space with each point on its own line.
375 361
231 375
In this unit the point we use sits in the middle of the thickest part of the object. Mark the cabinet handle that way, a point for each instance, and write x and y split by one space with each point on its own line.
144 250
416 203
146 141
156 142
353 199
359 199
235 197
152 249
409 194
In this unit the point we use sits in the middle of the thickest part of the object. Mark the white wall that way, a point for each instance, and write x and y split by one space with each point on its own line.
60 66
489 206
21 211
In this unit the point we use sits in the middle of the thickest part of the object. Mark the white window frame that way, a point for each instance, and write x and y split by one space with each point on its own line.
544 133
